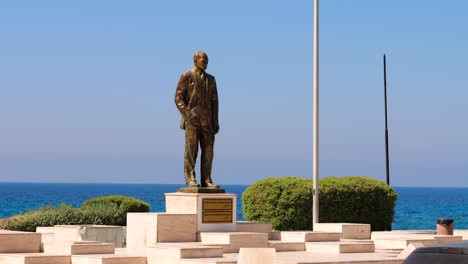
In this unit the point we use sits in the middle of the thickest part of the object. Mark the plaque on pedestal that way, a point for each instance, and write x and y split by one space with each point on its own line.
216 212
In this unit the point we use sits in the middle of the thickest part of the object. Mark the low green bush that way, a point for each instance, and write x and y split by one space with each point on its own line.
108 210
357 200
125 203
287 202
64 215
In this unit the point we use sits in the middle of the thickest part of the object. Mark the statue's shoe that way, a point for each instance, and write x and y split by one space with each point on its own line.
192 184
211 185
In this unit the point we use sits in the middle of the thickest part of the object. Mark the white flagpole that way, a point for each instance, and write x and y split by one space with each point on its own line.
315 153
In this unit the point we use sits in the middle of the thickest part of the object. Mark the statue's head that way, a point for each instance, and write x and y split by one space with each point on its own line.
200 59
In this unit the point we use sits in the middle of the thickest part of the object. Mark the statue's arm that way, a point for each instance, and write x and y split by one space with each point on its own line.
181 96
215 108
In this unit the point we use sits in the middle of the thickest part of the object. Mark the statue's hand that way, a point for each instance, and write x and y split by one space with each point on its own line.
187 116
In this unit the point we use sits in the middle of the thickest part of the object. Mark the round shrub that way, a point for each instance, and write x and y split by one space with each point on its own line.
63 215
357 199
125 203
285 202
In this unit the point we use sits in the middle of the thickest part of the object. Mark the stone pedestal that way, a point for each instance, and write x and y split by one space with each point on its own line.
216 212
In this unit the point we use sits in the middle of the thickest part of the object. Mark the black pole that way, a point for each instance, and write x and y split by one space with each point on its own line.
386 123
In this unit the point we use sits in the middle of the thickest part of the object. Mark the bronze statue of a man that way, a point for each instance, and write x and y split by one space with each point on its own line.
197 100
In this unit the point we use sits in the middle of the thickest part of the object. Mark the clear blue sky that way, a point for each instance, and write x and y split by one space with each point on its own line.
87 89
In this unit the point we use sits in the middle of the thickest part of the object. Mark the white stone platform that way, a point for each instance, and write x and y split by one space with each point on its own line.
402 239
108 259
79 248
282 246
305 236
347 230
179 237
34 258
248 226
341 247
173 253
223 260
233 241
287 252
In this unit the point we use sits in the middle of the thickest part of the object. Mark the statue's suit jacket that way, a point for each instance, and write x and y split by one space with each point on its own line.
193 92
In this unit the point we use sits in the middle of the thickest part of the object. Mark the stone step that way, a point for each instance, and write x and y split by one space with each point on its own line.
223 260
47 235
441 239
34 258
185 250
463 233
347 230
402 242
233 241
108 259
274 235
402 233
308 236
408 250
257 227
146 229
45 229
101 233
19 242
256 256
401 239
388 251
341 247
79 247
47 238
282 246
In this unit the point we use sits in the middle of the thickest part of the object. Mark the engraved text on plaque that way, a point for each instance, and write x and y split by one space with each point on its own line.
216 211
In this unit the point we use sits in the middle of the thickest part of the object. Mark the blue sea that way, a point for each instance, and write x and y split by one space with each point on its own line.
417 208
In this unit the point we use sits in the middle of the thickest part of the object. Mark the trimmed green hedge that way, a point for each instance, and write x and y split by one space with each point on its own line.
125 203
96 211
357 200
63 215
287 202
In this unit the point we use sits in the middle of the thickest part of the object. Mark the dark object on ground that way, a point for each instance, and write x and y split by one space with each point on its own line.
453 253
444 227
